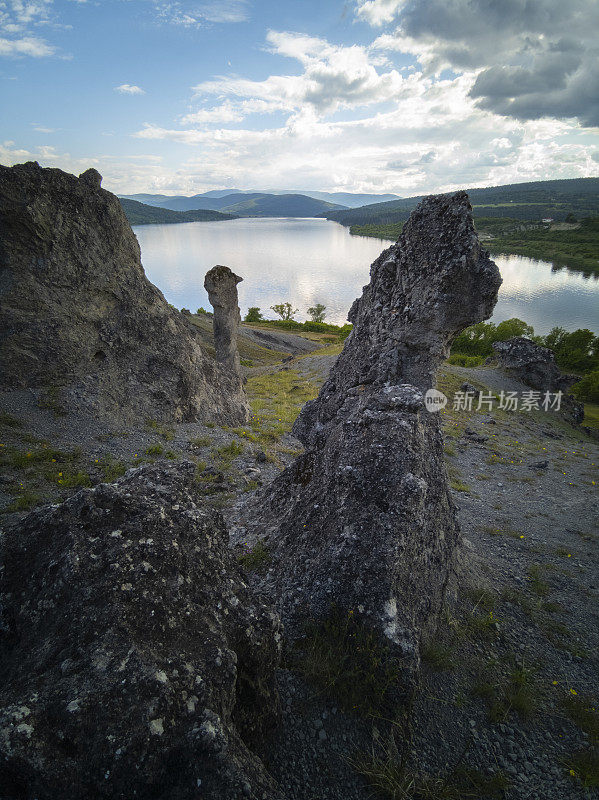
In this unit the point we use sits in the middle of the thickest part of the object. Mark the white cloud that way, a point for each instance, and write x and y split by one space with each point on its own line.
26 46
334 78
194 14
128 88
378 12
18 20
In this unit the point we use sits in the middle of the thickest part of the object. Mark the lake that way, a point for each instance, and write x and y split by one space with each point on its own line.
309 261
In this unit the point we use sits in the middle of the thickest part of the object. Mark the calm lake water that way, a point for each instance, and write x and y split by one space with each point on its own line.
309 261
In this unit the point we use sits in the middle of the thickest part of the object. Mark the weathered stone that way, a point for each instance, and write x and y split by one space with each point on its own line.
78 312
532 364
535 366
221 284
135 662
364 520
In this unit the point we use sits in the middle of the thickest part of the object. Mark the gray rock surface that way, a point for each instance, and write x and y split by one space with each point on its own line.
364 520
221 284
134 660
78 312
535 366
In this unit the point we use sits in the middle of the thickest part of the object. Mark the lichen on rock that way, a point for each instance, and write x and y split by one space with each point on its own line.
221 284
134 660
363 520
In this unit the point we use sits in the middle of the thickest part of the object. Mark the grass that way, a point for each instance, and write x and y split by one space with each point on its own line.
348 660
584 766
112 469
438 656
507 693
387 773
256 558
167 433
459 486
583 711
276 399
226 454
155 450
538 584
202 441
24 502
591 415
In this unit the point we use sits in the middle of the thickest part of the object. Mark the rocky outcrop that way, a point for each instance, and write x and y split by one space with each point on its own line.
78 311
532 364
135 663
363 521
535 366
221 284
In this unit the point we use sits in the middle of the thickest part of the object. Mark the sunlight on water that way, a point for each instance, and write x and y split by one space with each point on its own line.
308 261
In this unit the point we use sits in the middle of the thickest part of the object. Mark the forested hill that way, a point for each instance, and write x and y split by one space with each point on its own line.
141 214
252 204
281 205
527 201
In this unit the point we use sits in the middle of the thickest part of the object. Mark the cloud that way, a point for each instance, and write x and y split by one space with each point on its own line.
194 14
128 88
334 77
532 58
18 20
26 46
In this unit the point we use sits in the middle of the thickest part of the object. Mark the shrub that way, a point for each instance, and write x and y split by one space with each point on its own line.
462 360
588 388
253 315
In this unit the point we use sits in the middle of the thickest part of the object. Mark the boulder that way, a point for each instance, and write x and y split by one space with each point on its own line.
535 366
221 284
135 662
78 312
363 521
532 364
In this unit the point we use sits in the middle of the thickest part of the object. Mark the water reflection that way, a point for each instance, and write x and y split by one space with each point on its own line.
308 261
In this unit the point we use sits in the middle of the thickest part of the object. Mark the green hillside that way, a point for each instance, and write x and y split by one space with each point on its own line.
141 214
523 201
281 205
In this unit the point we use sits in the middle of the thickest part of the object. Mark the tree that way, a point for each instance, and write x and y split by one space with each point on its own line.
254 315
284 310
510 328
317 312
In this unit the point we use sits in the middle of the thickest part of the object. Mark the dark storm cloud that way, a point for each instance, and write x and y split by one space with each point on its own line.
538 58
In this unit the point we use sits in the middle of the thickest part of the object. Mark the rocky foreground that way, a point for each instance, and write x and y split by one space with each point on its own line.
408 607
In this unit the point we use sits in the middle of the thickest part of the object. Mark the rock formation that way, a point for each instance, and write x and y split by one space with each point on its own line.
134 661
78 311
535 366
532 364
221 284
363 520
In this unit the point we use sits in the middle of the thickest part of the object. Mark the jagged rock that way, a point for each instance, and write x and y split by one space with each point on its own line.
364 520
535 366
78 312
135 662
470 389
221 284
532 364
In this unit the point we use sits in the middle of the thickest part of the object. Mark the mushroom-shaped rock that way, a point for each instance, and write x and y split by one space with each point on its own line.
221 284
363 521
135 662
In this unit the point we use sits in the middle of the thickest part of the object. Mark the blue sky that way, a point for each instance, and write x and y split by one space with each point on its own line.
406 96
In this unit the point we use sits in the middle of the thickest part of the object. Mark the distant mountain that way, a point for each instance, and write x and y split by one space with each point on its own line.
246 204
219 198
281 205
532 200
141 214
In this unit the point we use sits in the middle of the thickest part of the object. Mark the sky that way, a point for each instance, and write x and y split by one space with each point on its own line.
402 96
